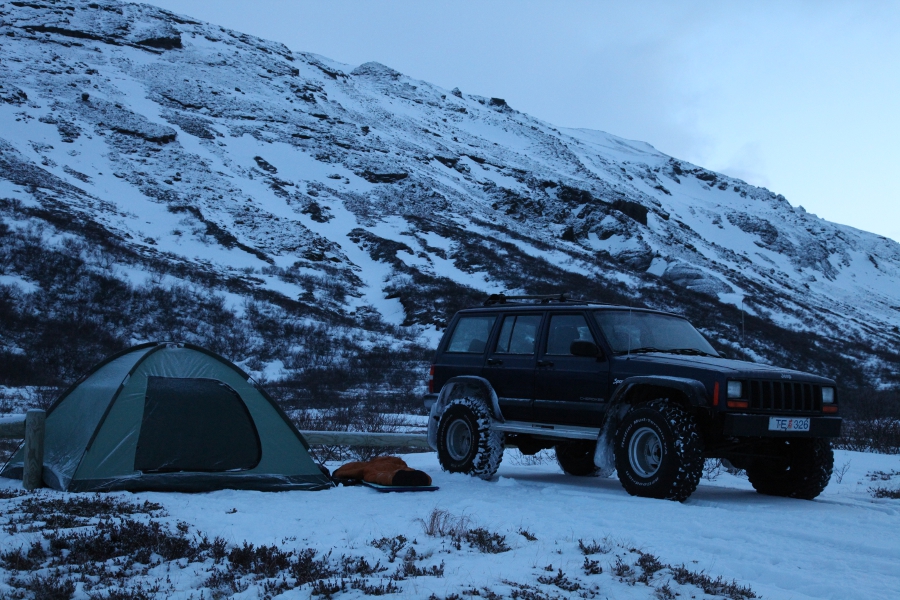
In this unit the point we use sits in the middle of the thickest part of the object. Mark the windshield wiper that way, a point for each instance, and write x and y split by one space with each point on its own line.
641 350
691 352
684 351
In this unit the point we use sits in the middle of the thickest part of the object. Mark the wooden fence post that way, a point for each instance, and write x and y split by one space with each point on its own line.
33 474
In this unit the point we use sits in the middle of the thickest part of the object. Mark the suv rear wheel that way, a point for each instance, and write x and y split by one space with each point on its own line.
577 458
658 451
466 443
802 470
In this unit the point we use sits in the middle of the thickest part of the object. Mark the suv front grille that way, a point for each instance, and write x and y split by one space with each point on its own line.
785 395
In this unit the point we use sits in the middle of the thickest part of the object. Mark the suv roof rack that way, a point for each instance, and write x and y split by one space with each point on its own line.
545 299
495 299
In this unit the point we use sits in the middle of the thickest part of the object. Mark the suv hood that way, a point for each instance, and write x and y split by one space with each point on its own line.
726 366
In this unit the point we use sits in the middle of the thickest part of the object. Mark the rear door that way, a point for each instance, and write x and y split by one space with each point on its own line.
569 389
510 363
465 348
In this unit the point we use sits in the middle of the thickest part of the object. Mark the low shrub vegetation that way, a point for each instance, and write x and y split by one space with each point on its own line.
112 547
441 523
871 421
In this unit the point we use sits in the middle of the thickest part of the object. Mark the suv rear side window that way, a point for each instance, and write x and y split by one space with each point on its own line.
471 334
518 334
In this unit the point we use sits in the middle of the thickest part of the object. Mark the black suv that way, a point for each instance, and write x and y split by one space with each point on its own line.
613 387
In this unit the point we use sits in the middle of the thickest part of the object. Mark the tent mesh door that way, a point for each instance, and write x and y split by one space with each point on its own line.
195 425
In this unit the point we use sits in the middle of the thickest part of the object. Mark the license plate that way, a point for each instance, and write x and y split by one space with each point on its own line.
788 424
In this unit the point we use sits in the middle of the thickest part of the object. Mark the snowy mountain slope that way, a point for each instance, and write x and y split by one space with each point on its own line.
234 163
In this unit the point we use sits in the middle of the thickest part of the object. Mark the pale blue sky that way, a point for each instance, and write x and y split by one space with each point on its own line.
800 97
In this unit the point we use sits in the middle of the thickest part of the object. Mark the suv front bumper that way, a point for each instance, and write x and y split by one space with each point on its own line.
740 425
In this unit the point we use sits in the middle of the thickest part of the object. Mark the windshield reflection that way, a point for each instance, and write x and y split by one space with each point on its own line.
638 331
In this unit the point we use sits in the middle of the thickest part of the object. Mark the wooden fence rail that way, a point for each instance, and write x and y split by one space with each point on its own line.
362 438
31 427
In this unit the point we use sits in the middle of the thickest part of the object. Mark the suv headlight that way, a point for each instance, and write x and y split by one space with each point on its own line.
735 389
827 395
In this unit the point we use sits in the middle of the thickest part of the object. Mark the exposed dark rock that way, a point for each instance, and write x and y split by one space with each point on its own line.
191 124
636 211
221 235
76 174
121 120
376 70
265 165
750 224
447 161
316 213
696 279
12 95
75 33
574 196
383 177
68 131
170 42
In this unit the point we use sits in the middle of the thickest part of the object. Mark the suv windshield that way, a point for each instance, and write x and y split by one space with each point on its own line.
638 331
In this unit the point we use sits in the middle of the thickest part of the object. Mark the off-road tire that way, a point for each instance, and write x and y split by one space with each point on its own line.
658 451
802 471
577 458
466 443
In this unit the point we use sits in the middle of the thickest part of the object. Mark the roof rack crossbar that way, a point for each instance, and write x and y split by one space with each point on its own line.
544 299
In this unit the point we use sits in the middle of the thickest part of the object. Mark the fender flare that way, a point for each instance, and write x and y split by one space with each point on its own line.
457 387
693 390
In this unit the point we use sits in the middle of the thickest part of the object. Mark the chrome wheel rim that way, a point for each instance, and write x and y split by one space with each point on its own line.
459 440
645 452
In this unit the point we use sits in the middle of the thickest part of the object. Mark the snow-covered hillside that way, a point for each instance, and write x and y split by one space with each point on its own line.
185 153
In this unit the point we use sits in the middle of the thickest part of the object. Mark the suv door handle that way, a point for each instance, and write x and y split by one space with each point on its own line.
544 363
494 361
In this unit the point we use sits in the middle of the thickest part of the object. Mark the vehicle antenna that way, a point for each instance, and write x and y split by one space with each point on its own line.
630 329
742 323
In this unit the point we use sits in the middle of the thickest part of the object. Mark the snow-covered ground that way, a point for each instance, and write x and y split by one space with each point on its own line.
843 545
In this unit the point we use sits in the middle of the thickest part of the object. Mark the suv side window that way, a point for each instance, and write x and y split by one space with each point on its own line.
471 334
518 335
565 329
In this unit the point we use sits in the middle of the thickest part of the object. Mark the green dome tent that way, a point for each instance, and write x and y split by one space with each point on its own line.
166 416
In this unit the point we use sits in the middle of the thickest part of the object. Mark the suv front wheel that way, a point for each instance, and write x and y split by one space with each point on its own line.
658 451
466 443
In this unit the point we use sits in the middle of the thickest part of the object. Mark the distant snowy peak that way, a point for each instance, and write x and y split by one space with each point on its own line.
288 171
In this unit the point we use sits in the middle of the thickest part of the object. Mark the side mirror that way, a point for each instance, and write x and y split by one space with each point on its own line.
584 348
